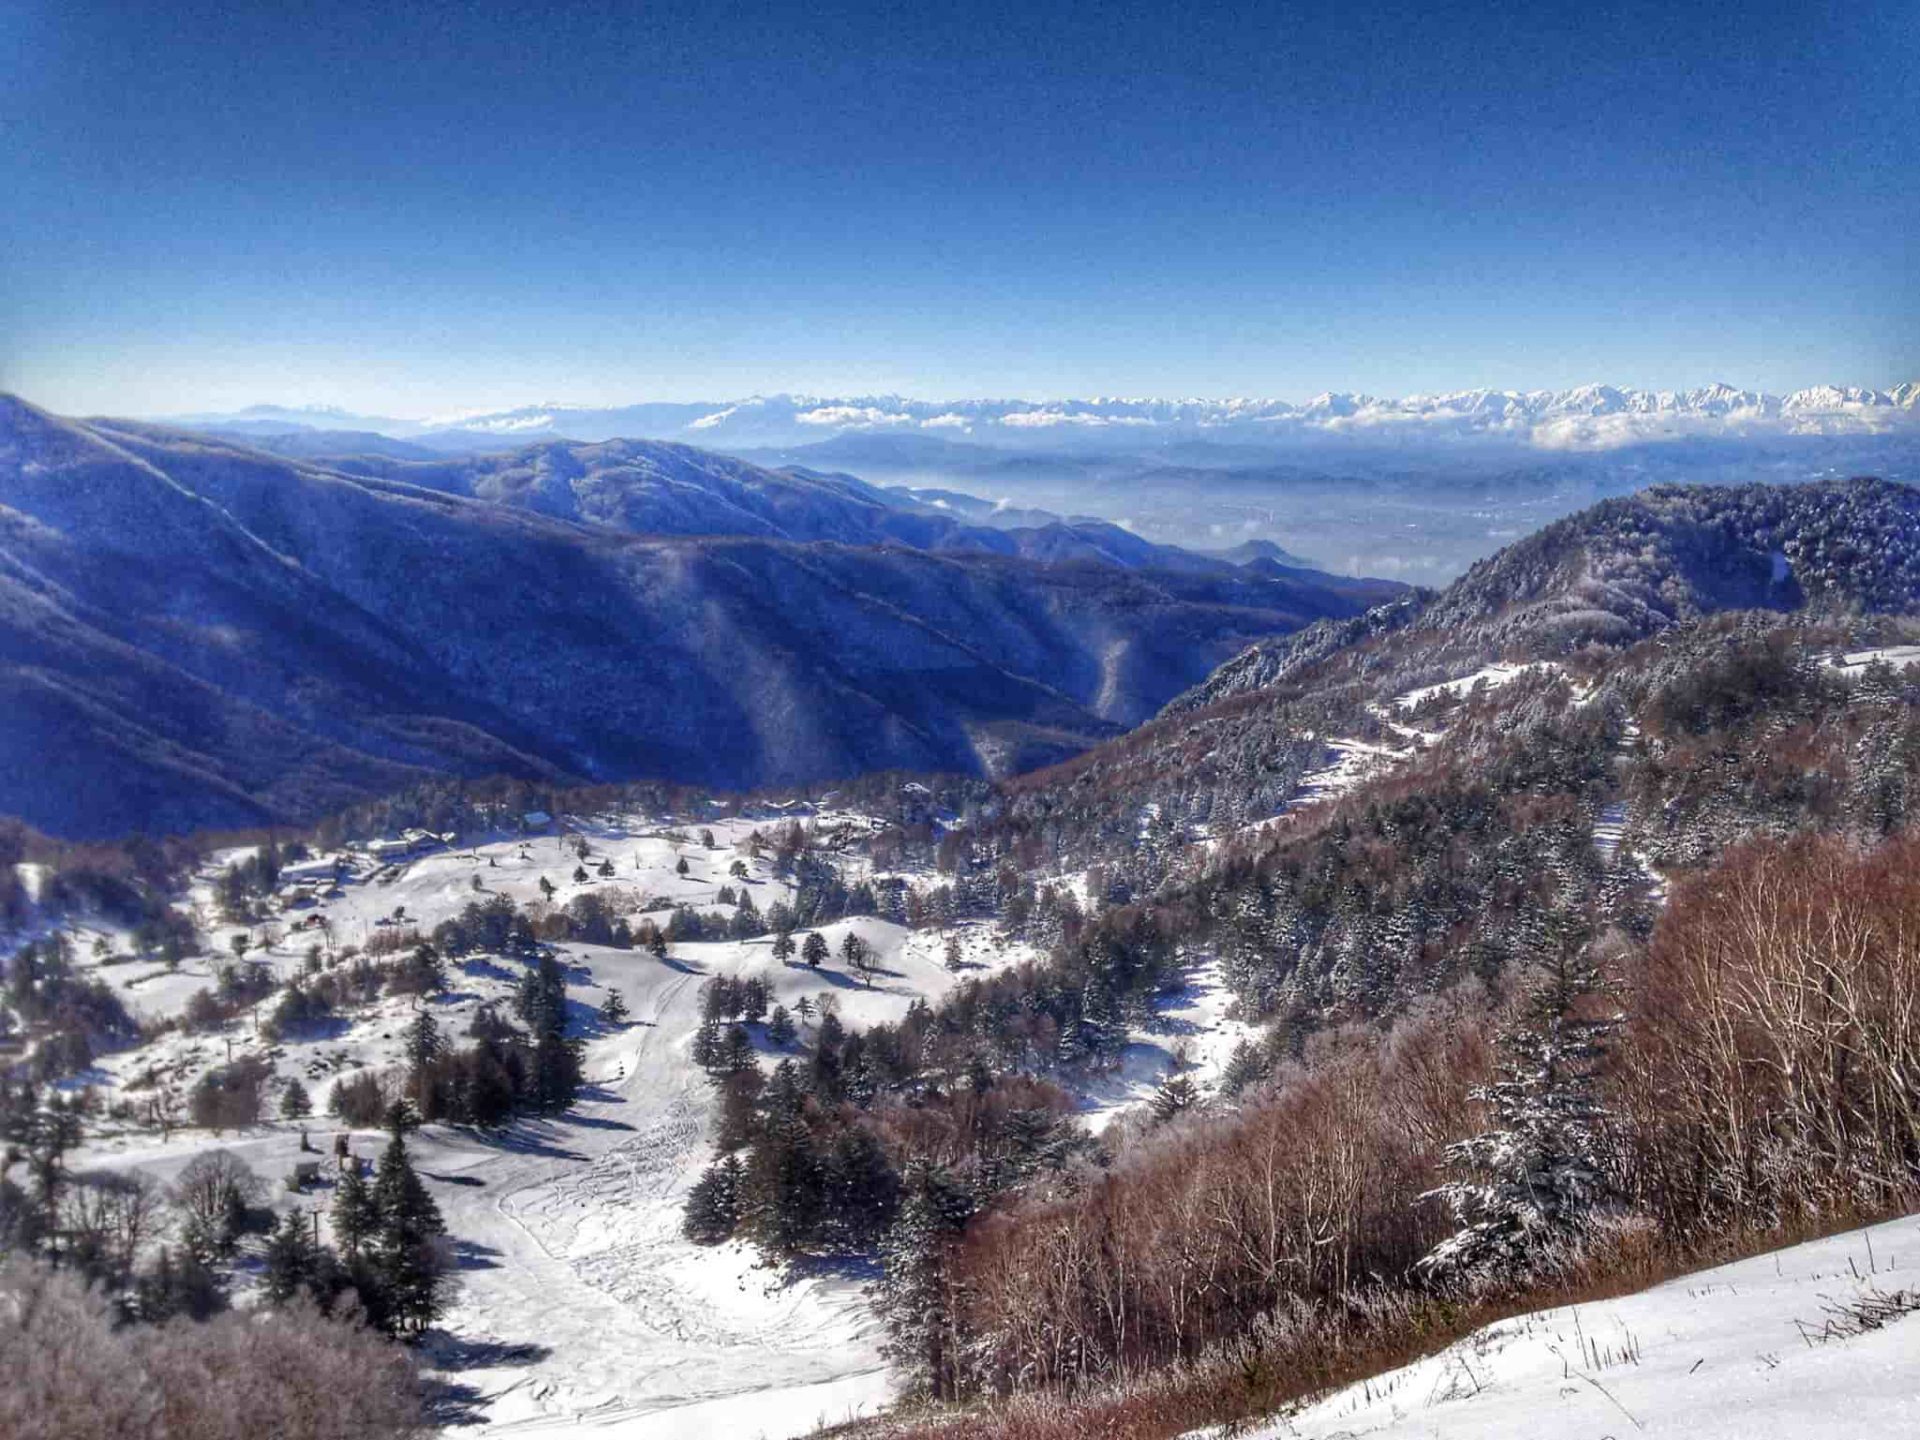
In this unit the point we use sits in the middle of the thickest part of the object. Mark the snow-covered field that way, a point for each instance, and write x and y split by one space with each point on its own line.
1749 1351
579 1304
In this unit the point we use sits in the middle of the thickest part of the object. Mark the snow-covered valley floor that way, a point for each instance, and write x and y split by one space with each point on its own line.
1748 1351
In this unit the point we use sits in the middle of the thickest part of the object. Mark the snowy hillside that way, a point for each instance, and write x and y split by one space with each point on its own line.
578 1300
1817 1342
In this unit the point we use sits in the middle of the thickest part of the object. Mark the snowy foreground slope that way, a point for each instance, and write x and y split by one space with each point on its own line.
579 1305
1755 1349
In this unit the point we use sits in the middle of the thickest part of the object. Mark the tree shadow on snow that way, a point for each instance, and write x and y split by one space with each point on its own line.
852 982
531 1137
487 970
469 1181
603 1096
863 1268
1174 1025
456 1403
472 1255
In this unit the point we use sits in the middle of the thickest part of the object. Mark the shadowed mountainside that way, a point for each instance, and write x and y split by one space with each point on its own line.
196 633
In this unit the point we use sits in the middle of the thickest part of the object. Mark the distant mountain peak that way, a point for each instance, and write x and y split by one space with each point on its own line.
1596 416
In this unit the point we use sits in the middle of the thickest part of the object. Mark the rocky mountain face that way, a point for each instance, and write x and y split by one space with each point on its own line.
196 633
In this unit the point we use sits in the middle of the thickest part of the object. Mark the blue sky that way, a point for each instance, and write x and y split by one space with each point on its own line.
412 208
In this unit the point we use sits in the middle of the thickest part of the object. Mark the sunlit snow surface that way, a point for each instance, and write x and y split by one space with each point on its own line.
1736 1353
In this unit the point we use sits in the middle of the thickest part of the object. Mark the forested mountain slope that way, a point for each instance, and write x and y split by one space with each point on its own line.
195 633
653 487
1574 596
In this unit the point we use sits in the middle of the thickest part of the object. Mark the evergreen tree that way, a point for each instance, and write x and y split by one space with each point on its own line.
953 960
179 1284
713 1204
295 1102
814 949
404 1252
541 1000
785 1181
783 946
355 1216
425 971
1538 1176
862 1190
706 1046
736 1051
613 1010
422 1042
1244 1067
858 955
556 1072
1176 1095
755 993
293 1261
780 1029
914 1297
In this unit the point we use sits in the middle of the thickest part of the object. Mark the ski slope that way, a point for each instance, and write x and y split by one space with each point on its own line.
579 1306
1750 1350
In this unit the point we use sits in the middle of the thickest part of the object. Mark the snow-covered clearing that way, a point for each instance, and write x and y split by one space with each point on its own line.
1493 676
1898 656
1758 1348
579 1304
1191 1034
1349 763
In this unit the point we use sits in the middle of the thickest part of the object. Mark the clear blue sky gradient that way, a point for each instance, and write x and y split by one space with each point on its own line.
412 207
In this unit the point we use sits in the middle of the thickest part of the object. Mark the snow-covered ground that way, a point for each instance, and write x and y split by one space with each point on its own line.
579 1304
1898 656
1348 763
1191 1034
1492 676
1755 1349
1609 829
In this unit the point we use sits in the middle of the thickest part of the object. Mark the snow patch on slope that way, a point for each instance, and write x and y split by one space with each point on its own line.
1727 1354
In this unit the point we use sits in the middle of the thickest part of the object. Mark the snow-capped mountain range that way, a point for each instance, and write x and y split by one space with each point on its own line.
1586 417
